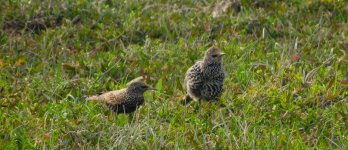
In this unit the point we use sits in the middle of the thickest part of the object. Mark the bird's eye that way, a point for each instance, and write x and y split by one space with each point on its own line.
144 86
214 55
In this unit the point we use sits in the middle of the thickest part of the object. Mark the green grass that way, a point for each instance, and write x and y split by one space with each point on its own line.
286 65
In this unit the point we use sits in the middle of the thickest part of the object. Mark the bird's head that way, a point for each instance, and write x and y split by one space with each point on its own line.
213 55
138 85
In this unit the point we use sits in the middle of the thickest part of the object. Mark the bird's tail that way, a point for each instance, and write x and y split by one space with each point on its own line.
187 100
93 98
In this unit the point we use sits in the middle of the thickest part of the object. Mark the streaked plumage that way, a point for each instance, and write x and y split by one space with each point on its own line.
126 100
204 80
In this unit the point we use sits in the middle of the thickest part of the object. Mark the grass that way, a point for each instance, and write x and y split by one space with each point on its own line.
286 65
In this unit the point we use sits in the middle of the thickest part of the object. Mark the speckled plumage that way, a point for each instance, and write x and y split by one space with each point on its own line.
204 80
126 100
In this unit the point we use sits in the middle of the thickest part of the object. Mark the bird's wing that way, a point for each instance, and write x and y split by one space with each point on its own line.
211 90
194 77
114 97
213 87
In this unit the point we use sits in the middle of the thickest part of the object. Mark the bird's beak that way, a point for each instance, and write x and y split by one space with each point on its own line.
222 53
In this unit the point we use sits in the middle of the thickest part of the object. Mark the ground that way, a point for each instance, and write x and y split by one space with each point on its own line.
286 66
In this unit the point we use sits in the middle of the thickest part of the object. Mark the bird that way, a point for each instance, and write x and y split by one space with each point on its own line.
125 100
204 80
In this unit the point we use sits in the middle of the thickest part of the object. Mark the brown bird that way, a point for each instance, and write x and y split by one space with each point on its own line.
204 80
126 100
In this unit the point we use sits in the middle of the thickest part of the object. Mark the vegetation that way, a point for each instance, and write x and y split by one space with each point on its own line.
286 66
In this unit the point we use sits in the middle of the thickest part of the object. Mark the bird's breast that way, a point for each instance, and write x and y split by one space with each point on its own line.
213 72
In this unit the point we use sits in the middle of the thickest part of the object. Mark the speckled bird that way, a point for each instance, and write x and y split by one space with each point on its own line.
126 100
204 80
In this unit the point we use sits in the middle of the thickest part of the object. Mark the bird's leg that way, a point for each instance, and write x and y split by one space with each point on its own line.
197 106
131 118
187 100
215 100
113 116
